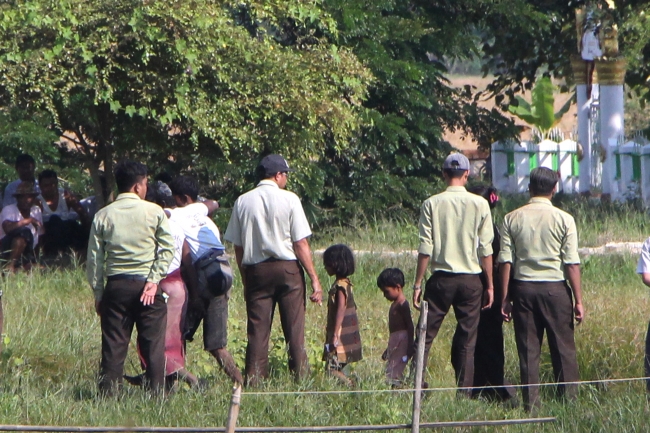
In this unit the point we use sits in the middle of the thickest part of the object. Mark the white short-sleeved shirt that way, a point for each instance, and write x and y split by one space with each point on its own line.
201 233
643 267
11 213
266 221
62 209
179 238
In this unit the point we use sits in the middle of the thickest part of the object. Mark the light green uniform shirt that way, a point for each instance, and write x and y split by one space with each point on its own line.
129 236
539 239
453 226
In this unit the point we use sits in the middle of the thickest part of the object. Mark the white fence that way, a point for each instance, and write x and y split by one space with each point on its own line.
625 169
512 163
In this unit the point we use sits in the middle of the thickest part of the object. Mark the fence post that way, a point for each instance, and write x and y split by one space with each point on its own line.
419 367
233 413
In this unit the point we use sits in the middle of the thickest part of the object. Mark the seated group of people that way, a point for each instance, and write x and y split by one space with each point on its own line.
39 217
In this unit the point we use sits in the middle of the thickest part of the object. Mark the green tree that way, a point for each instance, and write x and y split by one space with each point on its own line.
395 161
208 84
25 134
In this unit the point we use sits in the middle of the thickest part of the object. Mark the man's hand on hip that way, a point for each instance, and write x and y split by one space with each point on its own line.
149 293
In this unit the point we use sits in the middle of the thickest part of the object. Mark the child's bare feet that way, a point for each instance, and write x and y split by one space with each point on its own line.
341 377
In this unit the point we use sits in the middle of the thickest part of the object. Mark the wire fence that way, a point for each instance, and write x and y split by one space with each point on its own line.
432 425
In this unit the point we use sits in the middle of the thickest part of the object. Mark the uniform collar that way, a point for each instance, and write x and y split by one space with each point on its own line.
456 189
541 200
267 182
127 196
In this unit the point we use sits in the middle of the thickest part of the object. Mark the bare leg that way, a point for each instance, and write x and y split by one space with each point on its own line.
18 246
187 377
227 363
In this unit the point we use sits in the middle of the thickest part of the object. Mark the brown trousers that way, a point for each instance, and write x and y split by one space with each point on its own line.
269 283
539 307
120 309
464 292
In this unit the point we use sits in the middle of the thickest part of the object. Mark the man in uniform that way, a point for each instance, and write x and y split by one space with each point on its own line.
542 243
269 230
452 225
131 239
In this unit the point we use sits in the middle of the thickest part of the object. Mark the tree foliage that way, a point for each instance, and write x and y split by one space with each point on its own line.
354 94
209 83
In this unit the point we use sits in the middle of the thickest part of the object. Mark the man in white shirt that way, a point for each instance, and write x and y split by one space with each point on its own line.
210 292
65 221
25 166
21 224
643 269
269 230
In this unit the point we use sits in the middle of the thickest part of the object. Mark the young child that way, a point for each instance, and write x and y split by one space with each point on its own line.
400 325
343 342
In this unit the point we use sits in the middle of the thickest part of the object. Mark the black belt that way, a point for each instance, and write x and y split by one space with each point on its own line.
119 277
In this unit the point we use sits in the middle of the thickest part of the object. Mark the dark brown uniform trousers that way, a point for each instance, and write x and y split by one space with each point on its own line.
120 308
464 292
539 306
269 283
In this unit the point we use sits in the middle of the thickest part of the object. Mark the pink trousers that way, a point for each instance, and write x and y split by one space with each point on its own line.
176 291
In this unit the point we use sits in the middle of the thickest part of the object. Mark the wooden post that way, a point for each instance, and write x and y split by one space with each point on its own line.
233 413
419 367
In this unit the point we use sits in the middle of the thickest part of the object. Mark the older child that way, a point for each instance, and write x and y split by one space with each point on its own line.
343 342
400 325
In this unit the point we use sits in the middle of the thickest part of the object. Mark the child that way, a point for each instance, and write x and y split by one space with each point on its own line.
400 325
343 342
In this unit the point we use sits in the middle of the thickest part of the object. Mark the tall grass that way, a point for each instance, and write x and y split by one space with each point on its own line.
52 350
597 223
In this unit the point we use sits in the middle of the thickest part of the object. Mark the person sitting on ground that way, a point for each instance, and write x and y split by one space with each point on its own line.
400 326
175 289
91 204
25 166
342 341
64 219
209 302
21 224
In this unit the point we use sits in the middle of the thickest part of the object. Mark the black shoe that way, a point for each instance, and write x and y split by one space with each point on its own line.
135 380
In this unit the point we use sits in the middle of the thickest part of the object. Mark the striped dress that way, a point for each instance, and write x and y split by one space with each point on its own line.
349 348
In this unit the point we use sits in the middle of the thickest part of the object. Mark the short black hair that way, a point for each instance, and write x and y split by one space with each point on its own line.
484 191
391 277
164 177
47 174
185 185
454 173
340 259
154 196
128 173
542 181
23 158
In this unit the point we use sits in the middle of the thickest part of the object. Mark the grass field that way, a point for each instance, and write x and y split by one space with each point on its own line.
52 341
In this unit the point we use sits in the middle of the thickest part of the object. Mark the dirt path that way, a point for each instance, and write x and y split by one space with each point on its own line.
609 248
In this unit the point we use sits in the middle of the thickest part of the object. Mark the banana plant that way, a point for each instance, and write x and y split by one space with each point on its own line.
540 112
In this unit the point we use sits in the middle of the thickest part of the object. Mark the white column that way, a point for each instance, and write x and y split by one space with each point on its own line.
612 126
583 138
